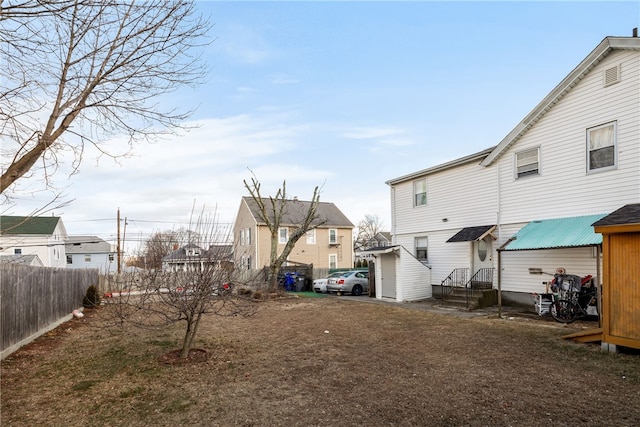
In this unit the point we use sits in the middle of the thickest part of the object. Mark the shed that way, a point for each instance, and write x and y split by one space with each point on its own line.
621 276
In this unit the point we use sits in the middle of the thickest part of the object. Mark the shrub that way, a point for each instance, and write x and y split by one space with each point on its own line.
91 298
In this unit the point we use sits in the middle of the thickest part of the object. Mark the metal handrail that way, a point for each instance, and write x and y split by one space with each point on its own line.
456 279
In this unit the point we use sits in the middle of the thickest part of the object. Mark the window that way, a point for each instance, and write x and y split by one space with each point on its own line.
87 258
69 259
248 263
283 235
333 261
112 257
311 237
420 192
242 237
333 236
527 163
601 146
421 248
248 236
17 251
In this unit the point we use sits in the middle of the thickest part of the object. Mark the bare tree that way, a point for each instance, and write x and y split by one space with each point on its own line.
368 228
76 73
197 283
161 244
276 212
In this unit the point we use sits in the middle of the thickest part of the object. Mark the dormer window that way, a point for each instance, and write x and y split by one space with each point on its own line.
193 252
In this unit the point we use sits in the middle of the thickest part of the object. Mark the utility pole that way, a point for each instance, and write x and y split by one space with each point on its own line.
119 252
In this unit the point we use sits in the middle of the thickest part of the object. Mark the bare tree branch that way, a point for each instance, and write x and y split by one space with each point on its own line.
79 72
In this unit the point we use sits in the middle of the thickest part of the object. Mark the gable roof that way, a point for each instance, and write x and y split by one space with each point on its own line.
572 79
87 245
295 210
31 259
37 225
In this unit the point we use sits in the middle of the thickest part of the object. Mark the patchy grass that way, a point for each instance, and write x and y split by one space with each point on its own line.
323 362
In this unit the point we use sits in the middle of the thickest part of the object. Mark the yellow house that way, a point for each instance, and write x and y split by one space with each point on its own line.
329 245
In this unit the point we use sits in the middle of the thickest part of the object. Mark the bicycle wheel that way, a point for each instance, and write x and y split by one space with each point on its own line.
564 311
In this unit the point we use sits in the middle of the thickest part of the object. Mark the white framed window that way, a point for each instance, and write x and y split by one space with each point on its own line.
527 162
249 263
283 235
248 236
333 261
112 257
420 192
69 259
601 146
17 251
333 236
311 237
87 258
242 237
422 248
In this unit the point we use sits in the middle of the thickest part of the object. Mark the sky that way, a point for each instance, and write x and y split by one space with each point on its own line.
343 95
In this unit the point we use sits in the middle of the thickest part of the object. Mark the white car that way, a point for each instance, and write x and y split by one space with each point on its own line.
320 285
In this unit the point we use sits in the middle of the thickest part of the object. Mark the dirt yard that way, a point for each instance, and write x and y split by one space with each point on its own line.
322 362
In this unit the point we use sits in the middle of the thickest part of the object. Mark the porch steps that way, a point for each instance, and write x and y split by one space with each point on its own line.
479 298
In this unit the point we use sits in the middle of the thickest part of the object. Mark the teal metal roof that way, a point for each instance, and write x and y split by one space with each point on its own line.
557 233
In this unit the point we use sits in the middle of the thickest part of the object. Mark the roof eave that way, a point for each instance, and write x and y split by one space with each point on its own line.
571 80
448 165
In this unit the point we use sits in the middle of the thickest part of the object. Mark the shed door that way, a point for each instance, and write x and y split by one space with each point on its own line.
624 282
388 279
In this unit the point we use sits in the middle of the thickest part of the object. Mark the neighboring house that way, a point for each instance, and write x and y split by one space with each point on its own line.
329 245
31 260
193 257
91 252
569 162
382 239
41 236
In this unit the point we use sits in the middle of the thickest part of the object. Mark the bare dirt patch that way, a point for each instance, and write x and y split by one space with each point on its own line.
321 362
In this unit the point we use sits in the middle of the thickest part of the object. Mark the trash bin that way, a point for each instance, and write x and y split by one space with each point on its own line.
300 282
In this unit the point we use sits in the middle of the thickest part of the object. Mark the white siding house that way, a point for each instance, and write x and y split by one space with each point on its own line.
91 252
576 154
41 236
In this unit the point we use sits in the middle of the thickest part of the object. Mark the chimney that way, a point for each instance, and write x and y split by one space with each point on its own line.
635 32
295 198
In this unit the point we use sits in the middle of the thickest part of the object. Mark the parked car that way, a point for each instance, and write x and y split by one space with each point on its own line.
349 282
320 285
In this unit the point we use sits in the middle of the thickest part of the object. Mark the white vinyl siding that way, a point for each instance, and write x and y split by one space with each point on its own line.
515 267
601 146
561 135
527 162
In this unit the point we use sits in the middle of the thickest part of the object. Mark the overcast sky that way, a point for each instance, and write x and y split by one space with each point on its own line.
344 95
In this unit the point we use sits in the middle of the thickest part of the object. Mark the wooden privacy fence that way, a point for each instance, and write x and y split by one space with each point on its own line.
36 299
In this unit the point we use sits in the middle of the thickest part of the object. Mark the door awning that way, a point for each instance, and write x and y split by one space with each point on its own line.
573 232
472 234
